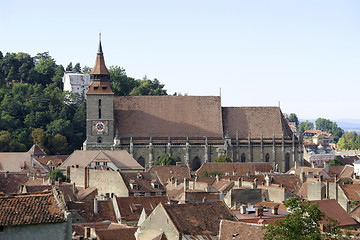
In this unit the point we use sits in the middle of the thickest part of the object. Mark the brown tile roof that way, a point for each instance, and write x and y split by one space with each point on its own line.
30 209
168 116
166 172
116 234
130 208
20 162
100 88
223 185
199 218
84 193
78 229
352 191
65 188
333 209
10 183
348 159
86 211
347 172
121 158
57 160
143 183
302 193
100 67
175 192
230 230
192 196
160 237
37 150
240 168
255 120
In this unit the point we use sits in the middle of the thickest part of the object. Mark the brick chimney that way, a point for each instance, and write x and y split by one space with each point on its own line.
259 211
95 206
275 210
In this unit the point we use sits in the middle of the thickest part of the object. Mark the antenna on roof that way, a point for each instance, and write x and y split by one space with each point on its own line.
220 91
279 103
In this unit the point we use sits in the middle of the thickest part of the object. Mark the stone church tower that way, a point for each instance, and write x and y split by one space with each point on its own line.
99 107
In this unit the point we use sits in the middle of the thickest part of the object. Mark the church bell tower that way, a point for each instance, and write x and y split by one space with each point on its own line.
99 106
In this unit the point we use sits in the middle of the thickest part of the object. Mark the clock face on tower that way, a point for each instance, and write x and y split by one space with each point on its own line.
100 127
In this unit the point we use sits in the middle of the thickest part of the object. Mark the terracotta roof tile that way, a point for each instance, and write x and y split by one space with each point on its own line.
240 168
100 88
352 191
30 209
166 172
10 183
116 234
199 218
168 116
131 207
37 150
65 188
230 230
57 160
86 211
267 121
20 162
141 183
333 209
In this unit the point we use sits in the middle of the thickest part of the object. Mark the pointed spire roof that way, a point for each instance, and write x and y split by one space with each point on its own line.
100 67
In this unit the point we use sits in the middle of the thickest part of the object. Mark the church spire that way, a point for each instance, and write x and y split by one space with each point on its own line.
100 72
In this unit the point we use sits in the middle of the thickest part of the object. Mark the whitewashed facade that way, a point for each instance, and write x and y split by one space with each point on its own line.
76 82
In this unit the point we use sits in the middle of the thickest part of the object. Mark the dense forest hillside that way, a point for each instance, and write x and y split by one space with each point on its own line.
34 109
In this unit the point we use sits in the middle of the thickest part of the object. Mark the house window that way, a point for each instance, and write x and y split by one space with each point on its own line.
105 163
97 163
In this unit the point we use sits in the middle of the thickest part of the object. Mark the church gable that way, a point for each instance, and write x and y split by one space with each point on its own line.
168 116
267 121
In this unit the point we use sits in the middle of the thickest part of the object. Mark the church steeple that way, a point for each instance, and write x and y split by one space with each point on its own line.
100 72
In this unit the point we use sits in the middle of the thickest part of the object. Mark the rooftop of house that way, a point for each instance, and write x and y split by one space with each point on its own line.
230 230
67 189
145 182
10 183
20 162
235 168
57 159
333 209
86 211
78 229
165 173
120 158
352 191
116 234
131 207
24 209
198 218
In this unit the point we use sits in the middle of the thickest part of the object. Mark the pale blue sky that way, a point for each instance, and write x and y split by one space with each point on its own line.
305 54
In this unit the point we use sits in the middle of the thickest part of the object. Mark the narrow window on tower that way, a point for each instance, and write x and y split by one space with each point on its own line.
99 102
99 113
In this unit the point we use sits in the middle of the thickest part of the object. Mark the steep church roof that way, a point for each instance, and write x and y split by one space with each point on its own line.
267 121
168 116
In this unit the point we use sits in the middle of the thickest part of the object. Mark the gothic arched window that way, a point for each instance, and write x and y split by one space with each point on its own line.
243 158
267 157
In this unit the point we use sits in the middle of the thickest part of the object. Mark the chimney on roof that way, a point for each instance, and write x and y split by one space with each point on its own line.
6 174
32 158
302 176
74 188
255 183
259 211
238 182
275 210
248 173
95 205
186 184
172 180
326 166
217 178
267 180
243 209
68 172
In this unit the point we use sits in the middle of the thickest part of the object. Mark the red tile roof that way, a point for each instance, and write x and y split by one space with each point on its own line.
86 211
333 209
168 116
143 181
166 172
199 218
130 208
10 183
230 230
57 160
30 209
116 234
352 191
37 150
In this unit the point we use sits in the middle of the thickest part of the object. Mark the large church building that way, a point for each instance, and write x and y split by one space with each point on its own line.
195 128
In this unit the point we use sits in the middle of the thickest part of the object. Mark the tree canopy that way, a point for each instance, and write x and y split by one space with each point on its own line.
223 158
165 159
303 222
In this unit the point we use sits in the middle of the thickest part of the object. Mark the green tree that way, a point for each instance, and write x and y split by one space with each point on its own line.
77 67
38 137
58 145
303 222
147 87
223 158
293 118
86 69
335 162
121 84
165 159
328 126
303 126
5 140
57 174
69 67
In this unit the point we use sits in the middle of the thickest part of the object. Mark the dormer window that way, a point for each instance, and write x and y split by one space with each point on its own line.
103 88
155 185
96 88
139 176
97 163
133 186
